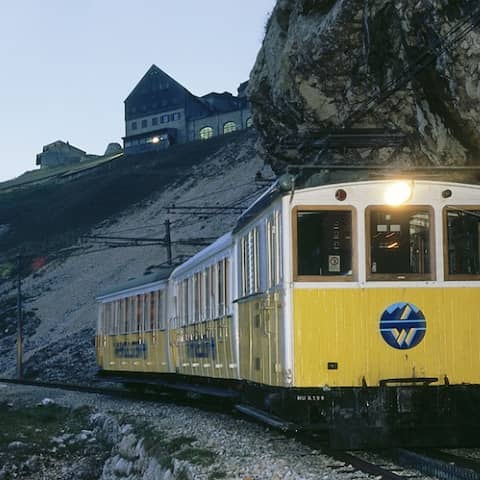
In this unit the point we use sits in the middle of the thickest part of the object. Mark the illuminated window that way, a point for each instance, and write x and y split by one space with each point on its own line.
463 243
324 244
249 122
399 243
229 127
206 133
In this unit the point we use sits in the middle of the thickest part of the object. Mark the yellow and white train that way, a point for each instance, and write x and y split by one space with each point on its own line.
351 309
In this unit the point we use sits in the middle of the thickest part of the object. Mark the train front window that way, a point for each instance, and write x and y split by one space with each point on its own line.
323 244
463 246
400 243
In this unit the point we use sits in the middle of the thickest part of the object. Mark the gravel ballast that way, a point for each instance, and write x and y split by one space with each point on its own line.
148 440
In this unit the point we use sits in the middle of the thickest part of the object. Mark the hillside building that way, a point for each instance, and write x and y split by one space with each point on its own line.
160 112
61 153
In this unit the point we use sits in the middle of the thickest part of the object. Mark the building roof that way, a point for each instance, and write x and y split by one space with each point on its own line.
62 143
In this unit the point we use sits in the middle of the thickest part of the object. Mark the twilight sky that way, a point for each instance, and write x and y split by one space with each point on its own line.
67 66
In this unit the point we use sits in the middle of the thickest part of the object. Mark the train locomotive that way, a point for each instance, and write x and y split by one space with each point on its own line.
347 309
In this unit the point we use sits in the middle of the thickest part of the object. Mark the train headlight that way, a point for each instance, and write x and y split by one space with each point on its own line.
398 193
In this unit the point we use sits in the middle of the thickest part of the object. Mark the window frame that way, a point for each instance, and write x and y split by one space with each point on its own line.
324 278
229 127
273 243
452 277
204 135
250 264
404 277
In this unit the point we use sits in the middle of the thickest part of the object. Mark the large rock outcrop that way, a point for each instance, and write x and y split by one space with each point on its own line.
322 60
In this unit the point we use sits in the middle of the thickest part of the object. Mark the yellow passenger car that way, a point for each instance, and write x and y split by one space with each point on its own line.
350 309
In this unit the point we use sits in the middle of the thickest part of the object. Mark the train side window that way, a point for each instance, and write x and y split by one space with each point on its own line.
151 311
399 243
323 244
139 313
226 286
220 286
274 273
250 271
116 328
462 248
161 310
207 276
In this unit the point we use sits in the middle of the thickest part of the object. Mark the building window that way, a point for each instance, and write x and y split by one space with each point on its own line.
134 125
206 133
323 244
176 116
229 127
249 122
144 123
463 243
164 118
154 121
400 243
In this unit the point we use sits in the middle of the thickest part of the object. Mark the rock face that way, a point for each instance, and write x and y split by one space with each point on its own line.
322 60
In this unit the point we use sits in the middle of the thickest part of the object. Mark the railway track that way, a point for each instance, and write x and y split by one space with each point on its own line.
438 463
68 386
387 465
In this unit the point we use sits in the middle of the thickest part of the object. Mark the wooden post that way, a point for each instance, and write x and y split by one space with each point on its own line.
19 319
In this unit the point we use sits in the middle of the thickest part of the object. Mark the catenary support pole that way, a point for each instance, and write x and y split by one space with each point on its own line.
169 241
19 319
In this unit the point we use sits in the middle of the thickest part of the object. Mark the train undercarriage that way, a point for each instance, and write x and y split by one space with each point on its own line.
398 413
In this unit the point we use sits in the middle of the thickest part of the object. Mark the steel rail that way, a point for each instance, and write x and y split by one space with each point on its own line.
438 464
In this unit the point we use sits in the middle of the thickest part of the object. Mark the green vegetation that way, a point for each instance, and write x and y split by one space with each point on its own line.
199 456
165 449
34 427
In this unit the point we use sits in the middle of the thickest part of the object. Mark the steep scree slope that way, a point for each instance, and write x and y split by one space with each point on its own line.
62 293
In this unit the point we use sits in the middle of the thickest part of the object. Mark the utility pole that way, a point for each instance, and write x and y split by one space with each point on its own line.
19 318
168 240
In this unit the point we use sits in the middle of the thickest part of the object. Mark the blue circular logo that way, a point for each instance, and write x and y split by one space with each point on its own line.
403 325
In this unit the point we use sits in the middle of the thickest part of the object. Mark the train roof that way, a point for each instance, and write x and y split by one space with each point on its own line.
266 199
131 287
214 252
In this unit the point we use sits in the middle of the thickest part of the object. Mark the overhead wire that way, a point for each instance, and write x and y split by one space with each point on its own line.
442 44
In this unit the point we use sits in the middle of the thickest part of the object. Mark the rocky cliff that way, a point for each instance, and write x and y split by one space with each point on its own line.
405 65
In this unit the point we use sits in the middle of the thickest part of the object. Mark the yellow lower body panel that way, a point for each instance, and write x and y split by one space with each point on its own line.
340 341
135 352
260 323
204 349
